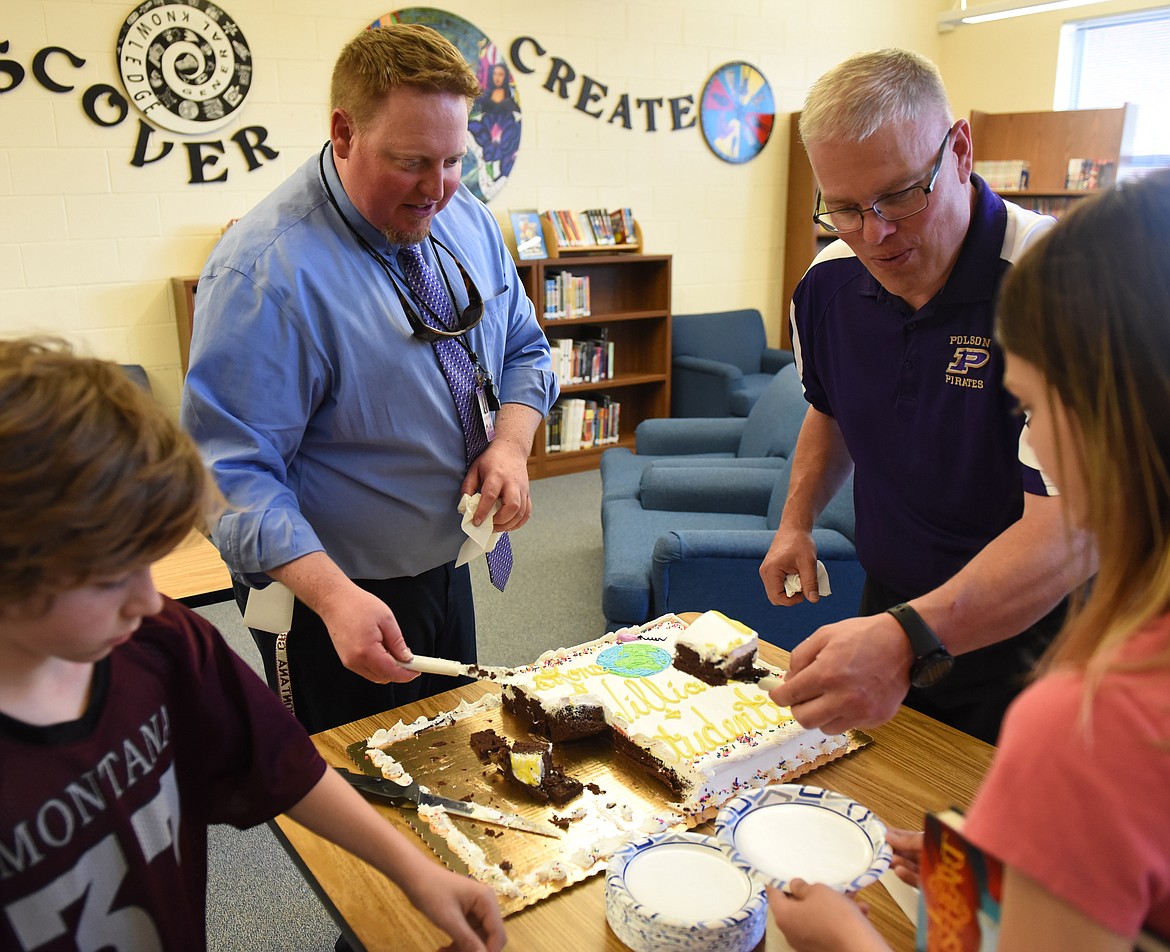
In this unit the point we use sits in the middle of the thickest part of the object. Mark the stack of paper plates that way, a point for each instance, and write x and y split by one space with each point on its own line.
789 831
677 891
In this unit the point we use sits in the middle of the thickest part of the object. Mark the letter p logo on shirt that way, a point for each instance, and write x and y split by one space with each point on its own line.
968 358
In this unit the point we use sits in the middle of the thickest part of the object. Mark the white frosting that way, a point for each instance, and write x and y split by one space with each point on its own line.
528 768
718 740
383 737
719 640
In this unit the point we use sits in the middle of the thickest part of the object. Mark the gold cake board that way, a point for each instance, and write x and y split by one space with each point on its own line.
617 795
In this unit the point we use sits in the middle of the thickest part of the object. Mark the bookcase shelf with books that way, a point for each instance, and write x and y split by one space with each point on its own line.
590 232
630 300
1050 143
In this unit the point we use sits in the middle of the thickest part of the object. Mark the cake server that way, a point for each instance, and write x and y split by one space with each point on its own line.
456 669
410 795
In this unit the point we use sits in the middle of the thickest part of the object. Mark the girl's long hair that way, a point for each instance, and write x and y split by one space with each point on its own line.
1089 307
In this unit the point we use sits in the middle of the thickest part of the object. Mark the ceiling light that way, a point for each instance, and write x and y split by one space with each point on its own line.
986 12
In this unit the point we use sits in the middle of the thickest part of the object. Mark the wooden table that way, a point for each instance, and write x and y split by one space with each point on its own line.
193 573
914 764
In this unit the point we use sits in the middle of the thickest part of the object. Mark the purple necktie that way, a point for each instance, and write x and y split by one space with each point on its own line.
460 373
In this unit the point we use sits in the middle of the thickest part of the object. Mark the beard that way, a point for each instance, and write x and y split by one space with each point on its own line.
412 237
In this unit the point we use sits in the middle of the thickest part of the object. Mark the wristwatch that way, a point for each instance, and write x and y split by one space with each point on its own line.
932 661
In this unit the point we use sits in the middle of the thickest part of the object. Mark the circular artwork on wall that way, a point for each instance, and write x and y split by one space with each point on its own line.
493 128
186 66
737 111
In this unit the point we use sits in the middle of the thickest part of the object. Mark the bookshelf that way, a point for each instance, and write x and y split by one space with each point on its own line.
1047 140
803 237
183 295
630 299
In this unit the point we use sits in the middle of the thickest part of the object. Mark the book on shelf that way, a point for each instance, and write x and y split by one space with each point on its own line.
585 236
1004 175
566 295
529 235
1085 174
960 890
599 223
621 223
592 228
583 360
579 423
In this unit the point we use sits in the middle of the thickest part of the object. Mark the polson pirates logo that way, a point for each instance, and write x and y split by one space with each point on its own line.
186 66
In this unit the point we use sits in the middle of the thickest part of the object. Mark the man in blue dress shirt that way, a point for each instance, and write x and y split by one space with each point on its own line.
316 394
964 545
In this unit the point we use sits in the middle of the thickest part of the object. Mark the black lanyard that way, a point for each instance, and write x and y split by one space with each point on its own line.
482 374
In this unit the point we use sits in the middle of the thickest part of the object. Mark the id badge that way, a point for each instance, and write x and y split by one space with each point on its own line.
489 423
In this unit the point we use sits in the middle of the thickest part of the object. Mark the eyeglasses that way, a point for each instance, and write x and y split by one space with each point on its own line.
895 207
472 314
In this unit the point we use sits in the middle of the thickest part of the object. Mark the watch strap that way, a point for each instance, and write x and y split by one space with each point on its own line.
923 640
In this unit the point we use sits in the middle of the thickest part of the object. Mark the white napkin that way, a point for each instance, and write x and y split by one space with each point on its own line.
481 538
904 895
792 582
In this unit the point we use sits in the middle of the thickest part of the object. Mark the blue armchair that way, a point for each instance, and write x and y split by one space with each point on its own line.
720 363
688 519
694 540
764 439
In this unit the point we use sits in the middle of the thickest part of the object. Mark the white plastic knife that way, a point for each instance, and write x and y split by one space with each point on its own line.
456 669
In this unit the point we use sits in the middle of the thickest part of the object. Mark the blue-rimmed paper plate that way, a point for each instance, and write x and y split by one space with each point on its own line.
790 831
678 891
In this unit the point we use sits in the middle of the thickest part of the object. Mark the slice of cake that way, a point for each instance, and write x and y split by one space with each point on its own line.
716 650
705 742
529 767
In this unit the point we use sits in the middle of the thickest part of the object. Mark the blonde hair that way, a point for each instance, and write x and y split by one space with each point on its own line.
868 90
1087 306
95 478
399 54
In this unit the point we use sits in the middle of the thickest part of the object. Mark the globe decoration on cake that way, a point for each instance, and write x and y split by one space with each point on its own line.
737 112
493 128
636 659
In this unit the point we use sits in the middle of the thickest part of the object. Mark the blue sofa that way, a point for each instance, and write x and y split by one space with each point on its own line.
720 363
688 531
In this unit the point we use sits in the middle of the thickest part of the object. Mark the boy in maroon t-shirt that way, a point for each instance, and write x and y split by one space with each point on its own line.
127 724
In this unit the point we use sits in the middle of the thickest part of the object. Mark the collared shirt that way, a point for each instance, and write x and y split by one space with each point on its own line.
327 424
919 398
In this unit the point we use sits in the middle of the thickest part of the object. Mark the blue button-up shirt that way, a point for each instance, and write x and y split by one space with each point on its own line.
326 423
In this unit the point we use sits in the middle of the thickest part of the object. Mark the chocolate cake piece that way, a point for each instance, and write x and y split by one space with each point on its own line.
686 659
716 650
486 744
647 762
528 767
569 724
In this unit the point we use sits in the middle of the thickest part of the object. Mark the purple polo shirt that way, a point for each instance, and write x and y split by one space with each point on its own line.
920 402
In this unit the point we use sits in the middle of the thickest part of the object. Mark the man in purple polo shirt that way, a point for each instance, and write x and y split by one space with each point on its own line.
967 556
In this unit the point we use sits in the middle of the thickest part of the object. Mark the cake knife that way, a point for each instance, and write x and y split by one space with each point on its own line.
410 795
456 669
